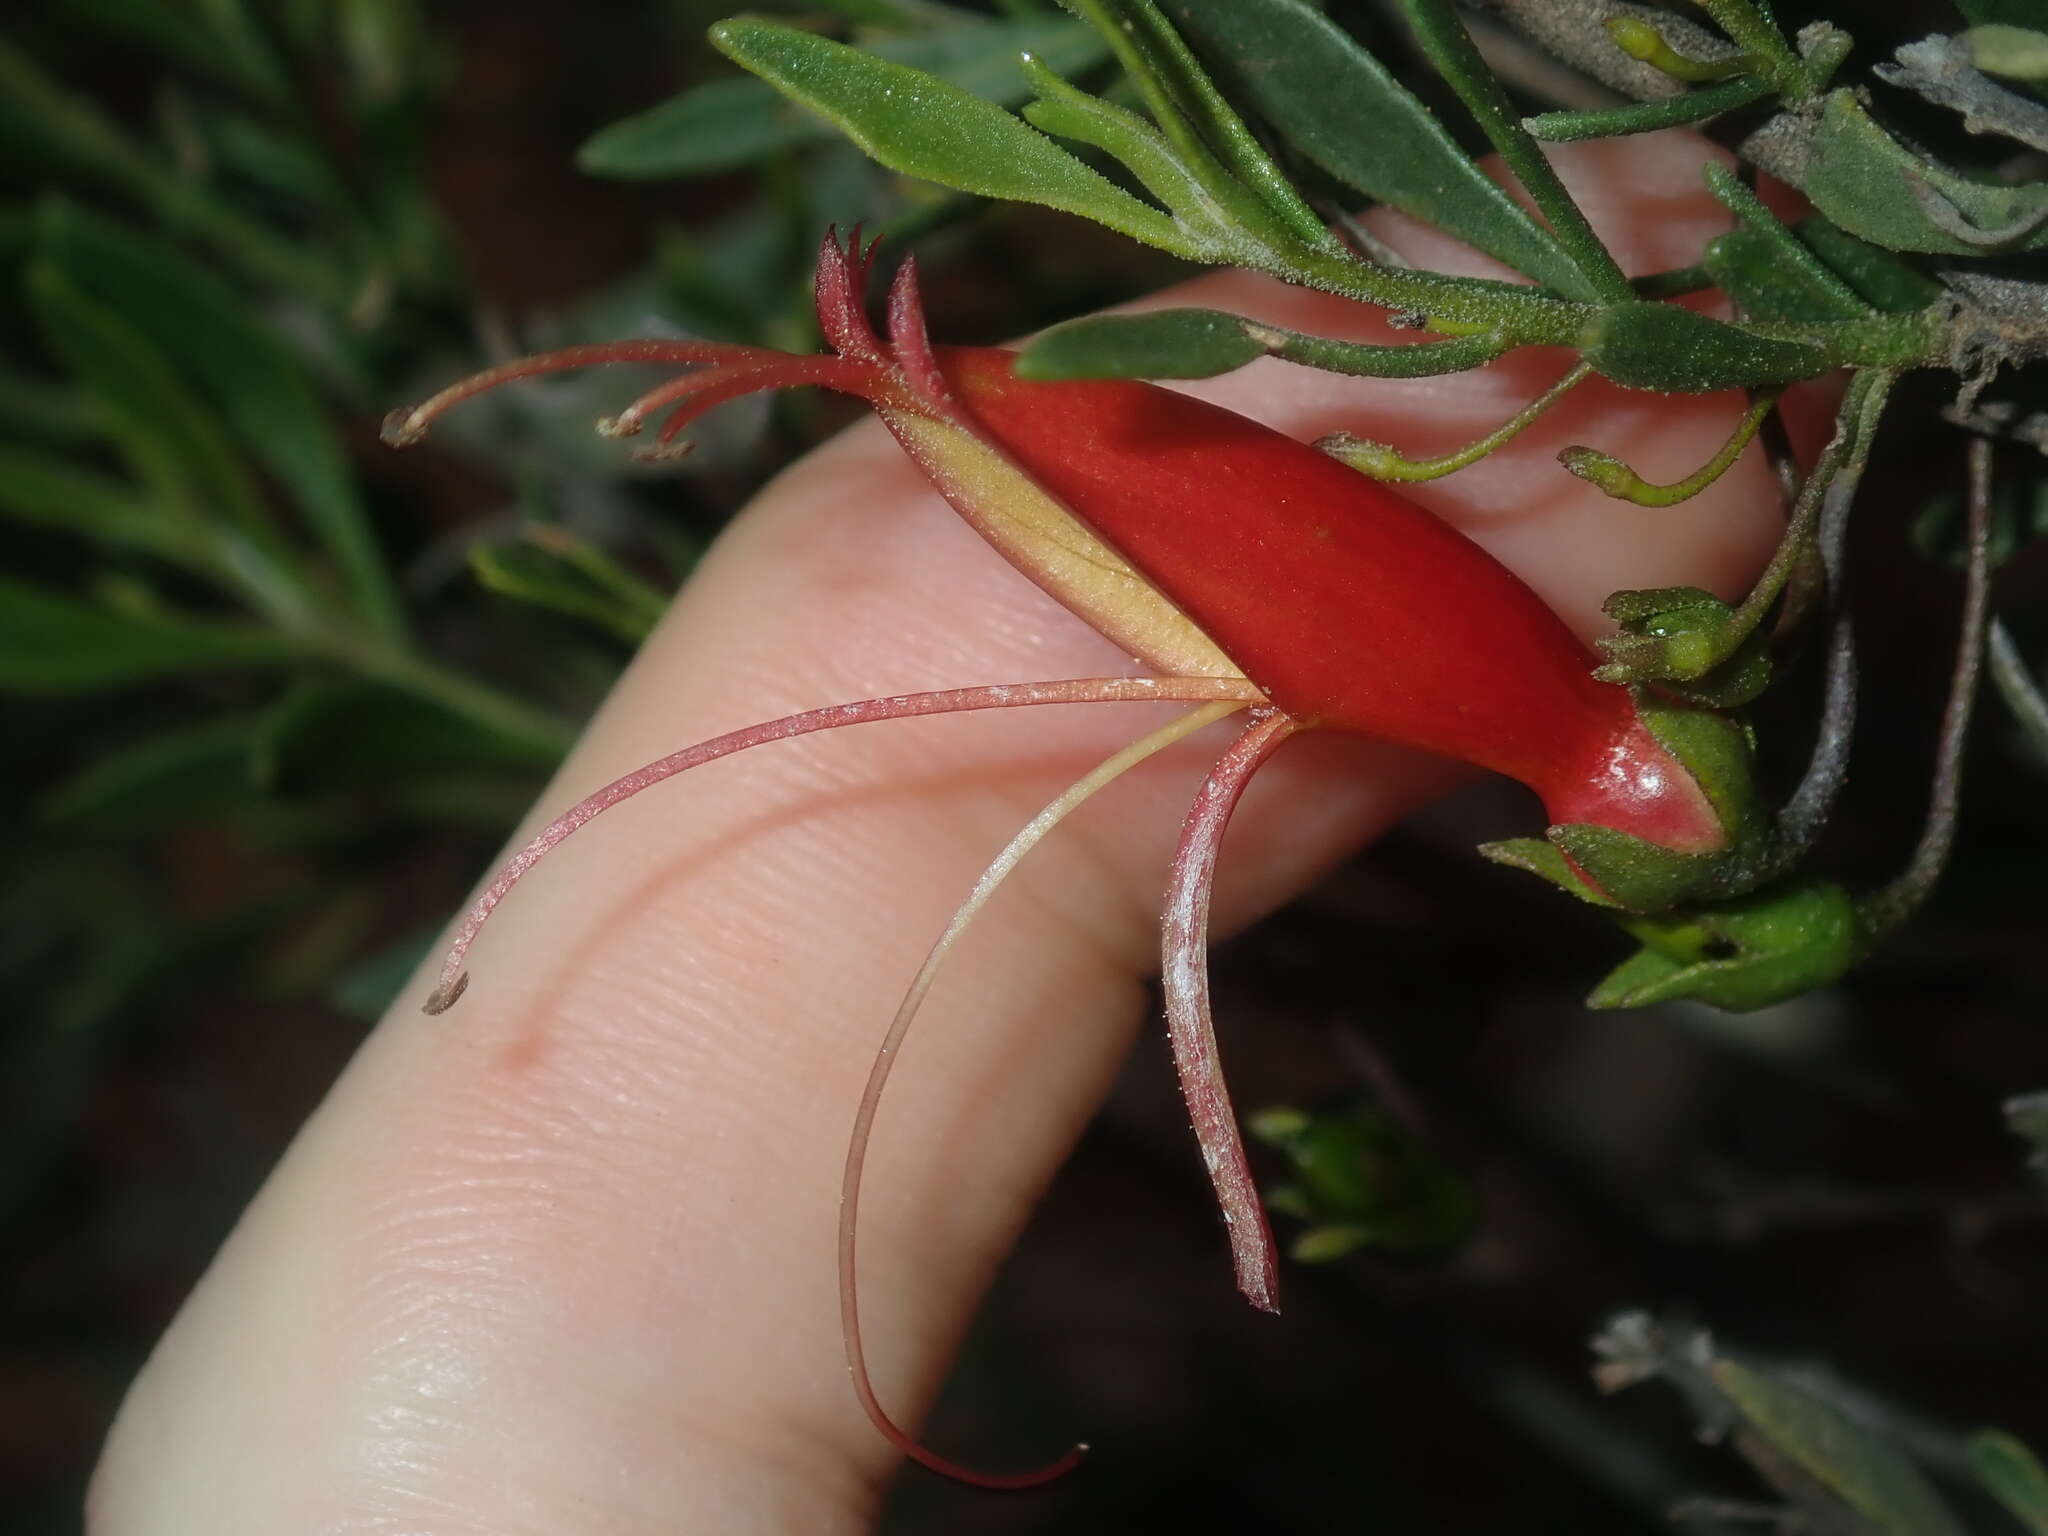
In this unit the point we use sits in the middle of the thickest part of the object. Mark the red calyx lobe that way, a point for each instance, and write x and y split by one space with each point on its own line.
1351 607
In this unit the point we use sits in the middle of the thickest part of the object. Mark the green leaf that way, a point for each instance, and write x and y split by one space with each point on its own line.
1166 344
552 568
1441 35
2014 1475
252 375
173 442
1873 186
1885 282
2031 14
53 644
2015 53
1658 346
736 122
1200 343
325 737
1211 140
51 492
1340 109
919 125
1697 106
178 775
1866 1472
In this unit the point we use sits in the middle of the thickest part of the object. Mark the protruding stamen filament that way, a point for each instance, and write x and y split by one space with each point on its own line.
998 870
1185 980
408 424
1098 690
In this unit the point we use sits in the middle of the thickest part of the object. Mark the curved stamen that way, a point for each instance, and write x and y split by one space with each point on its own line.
1097 690
408 424
998 870
705 388
1185 980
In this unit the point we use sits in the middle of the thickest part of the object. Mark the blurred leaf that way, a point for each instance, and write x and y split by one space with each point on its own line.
1873 186
1866 1472
919 125
170 31
388 47
552 568
58 135
328 736
2032 14
53 644
2019 516
735 122
252 375
2027 1116
175 444
1362 1180
47 408
178 775
2014 1475
52 492
2016 53
1340 108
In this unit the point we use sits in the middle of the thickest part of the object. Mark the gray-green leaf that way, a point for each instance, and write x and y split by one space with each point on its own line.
1868 1474
917 124
736 122
1874 186
1340 108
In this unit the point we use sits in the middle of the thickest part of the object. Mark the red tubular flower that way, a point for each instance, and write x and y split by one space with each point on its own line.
1249 572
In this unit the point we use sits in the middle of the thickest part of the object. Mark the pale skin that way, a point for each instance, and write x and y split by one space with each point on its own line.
562 1259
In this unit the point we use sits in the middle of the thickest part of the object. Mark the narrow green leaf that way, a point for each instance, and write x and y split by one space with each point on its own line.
2014 1475
1069 113
1658 346
1697 106
55 644
1212 140
1201 343
253 376
1345 113
1873 186
553 569
1450 49
52 492
1166 344
324 737
1886 282
736 122
1752 271
919 125
177 775
64 136
1829 298
1871 1476
174 442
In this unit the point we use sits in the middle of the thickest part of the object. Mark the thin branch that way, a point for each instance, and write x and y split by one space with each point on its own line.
1891 905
